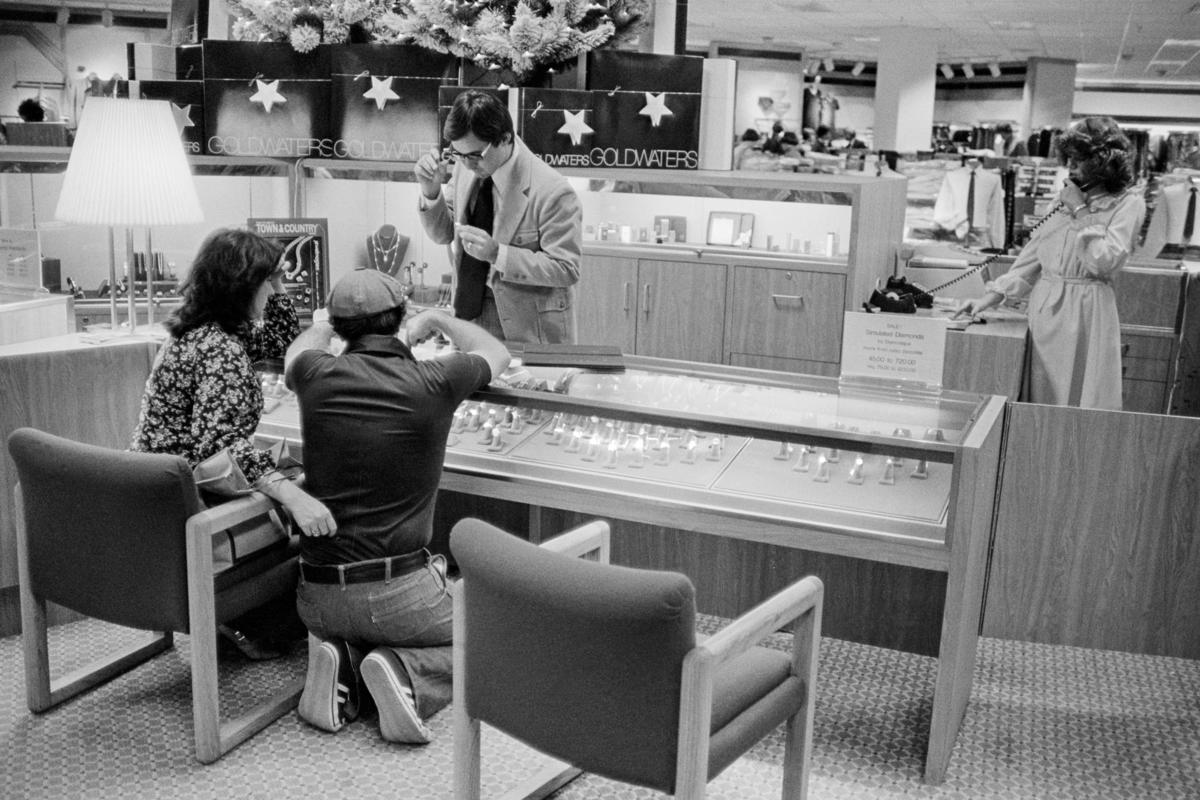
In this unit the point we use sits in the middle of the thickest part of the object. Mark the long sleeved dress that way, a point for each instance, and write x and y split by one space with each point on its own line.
1066 271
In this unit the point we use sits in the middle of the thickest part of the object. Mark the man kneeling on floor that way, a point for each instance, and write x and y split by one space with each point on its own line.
374 422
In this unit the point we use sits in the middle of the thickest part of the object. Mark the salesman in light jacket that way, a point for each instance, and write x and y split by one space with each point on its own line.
513 223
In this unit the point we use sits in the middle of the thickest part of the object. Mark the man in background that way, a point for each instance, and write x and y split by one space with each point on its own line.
513 223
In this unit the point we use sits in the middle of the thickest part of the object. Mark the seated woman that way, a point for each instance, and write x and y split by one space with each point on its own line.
203 394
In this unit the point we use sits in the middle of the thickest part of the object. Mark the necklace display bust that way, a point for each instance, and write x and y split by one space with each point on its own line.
386 248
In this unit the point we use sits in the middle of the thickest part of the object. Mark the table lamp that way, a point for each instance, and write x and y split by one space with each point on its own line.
127 168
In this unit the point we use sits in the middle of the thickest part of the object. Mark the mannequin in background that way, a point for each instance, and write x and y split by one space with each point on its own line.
386 248
1066 271
971 204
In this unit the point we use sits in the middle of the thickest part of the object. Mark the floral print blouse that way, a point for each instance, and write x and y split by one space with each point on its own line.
204 395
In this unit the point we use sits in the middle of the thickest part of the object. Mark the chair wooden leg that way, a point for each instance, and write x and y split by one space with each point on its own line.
466 729
695 722
214 738
797 754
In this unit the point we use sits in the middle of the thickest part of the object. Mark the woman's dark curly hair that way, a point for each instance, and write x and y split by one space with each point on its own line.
1102 152
230 267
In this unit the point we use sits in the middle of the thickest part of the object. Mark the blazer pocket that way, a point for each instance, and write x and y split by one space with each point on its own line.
554 300
527 239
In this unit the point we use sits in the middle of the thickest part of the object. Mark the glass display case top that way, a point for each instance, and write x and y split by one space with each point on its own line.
758 404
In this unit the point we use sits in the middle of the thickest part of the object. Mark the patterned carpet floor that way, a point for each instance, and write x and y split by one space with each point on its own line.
1043 722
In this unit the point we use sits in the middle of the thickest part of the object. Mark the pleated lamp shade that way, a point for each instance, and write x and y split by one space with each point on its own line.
127 167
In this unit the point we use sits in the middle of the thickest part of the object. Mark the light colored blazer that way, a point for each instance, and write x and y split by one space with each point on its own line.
538 223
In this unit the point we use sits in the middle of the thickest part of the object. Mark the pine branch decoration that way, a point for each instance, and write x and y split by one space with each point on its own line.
519 35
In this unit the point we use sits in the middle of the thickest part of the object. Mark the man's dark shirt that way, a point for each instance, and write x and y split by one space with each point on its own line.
374 422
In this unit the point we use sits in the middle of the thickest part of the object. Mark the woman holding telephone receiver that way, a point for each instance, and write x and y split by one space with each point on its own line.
1066 271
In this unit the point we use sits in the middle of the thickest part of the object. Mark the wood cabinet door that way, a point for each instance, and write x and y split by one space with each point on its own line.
787 313
606 301
681 310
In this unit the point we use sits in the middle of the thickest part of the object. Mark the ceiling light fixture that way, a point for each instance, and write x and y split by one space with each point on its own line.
947 71
858 68
968 70
994 68
828 62
63 16
106 18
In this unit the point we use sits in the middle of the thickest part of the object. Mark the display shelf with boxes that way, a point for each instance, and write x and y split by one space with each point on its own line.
902 480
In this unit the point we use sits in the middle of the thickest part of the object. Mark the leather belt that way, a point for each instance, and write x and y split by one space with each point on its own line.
376 569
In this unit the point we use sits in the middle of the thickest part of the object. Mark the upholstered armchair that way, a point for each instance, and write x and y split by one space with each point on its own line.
124 537
600 666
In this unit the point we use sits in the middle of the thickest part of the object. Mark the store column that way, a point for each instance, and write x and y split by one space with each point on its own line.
1049 94
904 89
664 30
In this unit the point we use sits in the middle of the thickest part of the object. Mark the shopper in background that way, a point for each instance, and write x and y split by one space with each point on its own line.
513 223
1010 145
1066 271
823 143
30 110
203 394
375 422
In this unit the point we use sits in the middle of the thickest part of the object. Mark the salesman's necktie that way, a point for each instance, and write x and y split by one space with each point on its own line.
473 273
1189 219
971 201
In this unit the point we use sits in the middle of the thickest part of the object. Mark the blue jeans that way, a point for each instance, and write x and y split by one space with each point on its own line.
412 614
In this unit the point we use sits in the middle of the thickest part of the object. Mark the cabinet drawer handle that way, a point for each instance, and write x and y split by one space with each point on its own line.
785 299
646 299
625 292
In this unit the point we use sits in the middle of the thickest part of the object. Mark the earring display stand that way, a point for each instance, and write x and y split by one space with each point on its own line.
385 249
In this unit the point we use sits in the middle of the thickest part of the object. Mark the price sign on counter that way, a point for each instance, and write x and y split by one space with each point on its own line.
893 348
20 259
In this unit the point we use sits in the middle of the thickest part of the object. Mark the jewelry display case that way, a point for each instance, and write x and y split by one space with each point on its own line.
900 479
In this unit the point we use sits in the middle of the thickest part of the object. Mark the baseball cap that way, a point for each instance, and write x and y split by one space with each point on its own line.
364 293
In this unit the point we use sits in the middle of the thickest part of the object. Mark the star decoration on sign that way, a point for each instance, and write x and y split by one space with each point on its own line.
183 116
574 126
656 108
381 92
267 94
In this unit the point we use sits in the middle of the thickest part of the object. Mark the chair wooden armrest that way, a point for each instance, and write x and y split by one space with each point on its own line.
226 515
774 613
592 541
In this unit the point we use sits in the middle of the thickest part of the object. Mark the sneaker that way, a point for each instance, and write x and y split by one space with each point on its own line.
389 685
329 698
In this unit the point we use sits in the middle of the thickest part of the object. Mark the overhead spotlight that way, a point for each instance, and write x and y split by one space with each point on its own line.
994 68
106 18
828 62
947 71
968 71
858 68
63 16
813 67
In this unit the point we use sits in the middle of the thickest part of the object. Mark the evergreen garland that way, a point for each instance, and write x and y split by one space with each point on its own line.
521 36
